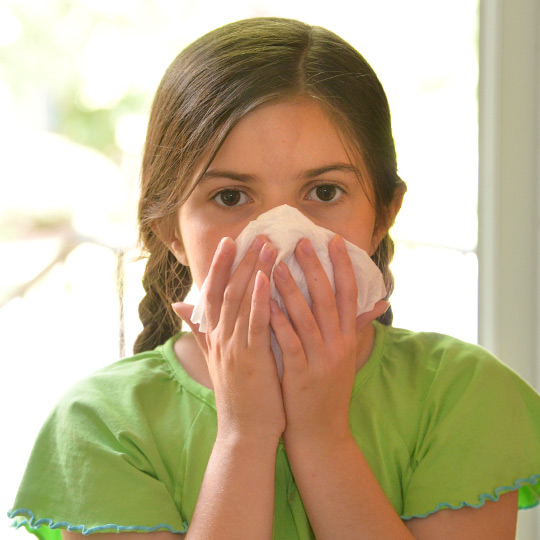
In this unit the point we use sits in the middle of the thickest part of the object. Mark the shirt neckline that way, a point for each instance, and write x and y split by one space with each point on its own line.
191 385
373 361
207 395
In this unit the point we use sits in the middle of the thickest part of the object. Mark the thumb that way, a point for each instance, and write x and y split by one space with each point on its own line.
184 311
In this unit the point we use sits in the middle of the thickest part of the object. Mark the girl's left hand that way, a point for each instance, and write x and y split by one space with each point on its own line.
319 345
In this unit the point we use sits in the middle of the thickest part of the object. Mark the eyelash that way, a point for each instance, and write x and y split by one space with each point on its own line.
228 190
216 197
338 189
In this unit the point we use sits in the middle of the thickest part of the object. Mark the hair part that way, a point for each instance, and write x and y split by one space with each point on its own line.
210 86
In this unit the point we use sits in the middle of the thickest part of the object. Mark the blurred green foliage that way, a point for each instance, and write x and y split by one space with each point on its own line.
43 70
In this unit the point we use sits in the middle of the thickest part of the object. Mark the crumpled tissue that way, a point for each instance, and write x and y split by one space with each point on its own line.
285 226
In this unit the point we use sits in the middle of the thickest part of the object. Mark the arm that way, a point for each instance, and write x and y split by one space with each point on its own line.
341 495
495 520
237 495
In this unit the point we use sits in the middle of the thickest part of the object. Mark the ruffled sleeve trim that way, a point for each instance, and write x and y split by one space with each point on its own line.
529 497
28 520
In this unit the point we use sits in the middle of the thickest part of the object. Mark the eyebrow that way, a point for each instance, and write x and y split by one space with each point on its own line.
309 174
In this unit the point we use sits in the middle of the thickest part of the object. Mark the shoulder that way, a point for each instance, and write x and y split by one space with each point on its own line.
148 396
120 434
430 346
442 360
122 381
458 391
426 376
146 389
467 403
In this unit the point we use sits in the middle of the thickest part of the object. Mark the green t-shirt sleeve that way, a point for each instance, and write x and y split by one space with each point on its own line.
479 437
95 467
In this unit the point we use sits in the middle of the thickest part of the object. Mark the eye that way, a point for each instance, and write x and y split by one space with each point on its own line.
325 193
231 197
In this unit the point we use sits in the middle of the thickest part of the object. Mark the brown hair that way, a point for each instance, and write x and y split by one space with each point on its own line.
207 89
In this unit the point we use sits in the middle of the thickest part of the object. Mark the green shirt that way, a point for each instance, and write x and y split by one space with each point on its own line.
442 423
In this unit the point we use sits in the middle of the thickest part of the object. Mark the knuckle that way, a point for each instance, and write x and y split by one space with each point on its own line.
342 349
248 261
308 325
325 303
212 337
244 310
349 290
294 347
287 282
280 320
257 310
257 327
230 294
349 285
212 296
220 263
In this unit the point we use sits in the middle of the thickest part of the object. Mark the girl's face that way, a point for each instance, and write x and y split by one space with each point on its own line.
283 153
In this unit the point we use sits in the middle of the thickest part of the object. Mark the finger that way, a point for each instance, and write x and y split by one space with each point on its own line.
345 282
302 319
366 318
322 296
294 358
184 311
217 279
259 317
267 257
236 287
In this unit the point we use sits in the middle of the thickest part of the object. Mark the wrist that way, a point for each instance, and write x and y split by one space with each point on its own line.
324 443
252 440
326 434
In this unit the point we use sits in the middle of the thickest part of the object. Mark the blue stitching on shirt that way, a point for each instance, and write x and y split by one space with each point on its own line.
35 524
532 480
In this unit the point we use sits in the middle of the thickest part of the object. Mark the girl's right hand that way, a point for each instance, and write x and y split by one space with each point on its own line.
237 342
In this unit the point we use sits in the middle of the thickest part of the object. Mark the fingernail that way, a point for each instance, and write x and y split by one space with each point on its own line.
340 242
225 244
267 253
280 271
305 246
274 308
176 306
258 243
259 280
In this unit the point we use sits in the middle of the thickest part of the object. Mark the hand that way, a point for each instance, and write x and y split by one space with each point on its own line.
237 343
320 345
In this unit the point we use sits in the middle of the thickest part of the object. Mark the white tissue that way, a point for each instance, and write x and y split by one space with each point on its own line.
285 226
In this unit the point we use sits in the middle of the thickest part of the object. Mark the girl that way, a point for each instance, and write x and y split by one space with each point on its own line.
373 432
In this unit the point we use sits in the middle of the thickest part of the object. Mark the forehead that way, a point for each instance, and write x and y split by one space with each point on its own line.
296 133
291 132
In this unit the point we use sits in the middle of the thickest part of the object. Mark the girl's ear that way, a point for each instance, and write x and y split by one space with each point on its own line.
177 247
383 225
395 206
173 240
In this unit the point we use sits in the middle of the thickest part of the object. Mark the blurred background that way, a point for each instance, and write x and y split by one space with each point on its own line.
76 82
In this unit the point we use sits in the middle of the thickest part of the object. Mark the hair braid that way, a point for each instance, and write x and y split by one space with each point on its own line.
165 281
